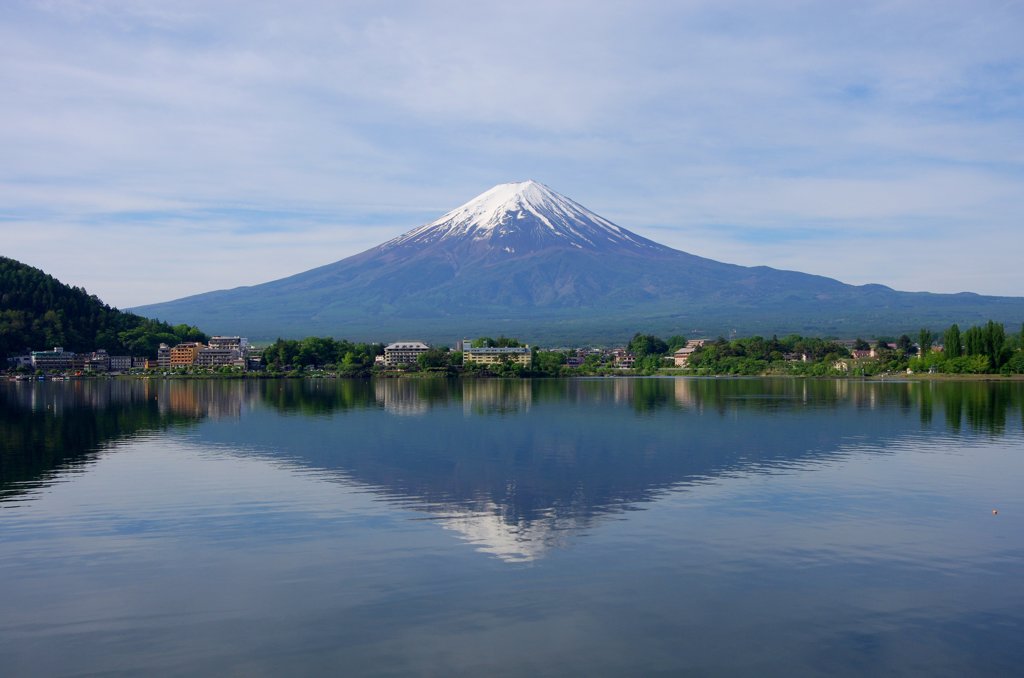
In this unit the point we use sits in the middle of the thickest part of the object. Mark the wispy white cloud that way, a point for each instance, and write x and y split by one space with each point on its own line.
278 138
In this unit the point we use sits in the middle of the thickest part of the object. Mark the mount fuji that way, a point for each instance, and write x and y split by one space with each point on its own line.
522 260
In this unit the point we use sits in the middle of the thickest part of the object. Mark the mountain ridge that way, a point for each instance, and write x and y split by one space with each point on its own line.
521 258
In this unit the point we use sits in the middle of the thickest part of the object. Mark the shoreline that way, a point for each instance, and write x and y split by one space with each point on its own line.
891 378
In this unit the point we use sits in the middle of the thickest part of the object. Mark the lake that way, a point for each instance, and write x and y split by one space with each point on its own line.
489 527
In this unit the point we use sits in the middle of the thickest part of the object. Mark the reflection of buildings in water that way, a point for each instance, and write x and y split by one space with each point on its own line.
496 396
842 389
400 396
623 390
519 542
56 396
864 395
176 398
200 398
683 392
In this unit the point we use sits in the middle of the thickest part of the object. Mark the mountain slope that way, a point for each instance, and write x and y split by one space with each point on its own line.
523 259
38 312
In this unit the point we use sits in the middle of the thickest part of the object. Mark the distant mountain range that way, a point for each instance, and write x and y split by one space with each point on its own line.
524 261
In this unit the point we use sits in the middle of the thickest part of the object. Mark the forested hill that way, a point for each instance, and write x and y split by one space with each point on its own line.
38 311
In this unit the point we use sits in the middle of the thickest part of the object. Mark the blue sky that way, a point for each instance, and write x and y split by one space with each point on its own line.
152 150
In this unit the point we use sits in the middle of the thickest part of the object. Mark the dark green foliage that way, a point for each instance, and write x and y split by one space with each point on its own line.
500 342
974 342
647 345
549 362
988 340
861 345
979 350
647 364
925 338
757 355
345 356
952 342
675 342
1015 365
434 358
38 312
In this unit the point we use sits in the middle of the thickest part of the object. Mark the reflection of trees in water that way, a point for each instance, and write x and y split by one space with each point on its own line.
316 396
45 427
983 406
401 396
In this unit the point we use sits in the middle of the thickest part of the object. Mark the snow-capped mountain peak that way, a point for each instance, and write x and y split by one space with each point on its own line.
526 214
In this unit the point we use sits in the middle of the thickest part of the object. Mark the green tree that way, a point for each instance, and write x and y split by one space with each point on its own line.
925 338
647 344
548 362
904 344
994 342
647 364
952 343
436 357
501 342
675 342
974 341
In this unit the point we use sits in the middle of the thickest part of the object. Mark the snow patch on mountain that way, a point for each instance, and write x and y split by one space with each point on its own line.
527 209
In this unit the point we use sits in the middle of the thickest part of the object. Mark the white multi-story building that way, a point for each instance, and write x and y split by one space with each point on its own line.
403 353
163 356
240 344
57 359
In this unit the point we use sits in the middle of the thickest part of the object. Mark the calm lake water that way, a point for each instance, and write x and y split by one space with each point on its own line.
583 527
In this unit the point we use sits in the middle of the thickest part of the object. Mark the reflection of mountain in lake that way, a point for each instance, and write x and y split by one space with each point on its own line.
515 467
521 465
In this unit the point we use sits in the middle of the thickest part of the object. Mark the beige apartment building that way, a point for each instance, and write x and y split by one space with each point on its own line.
681 358
520 355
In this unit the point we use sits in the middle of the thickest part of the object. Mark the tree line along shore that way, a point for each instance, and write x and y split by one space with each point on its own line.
984 350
